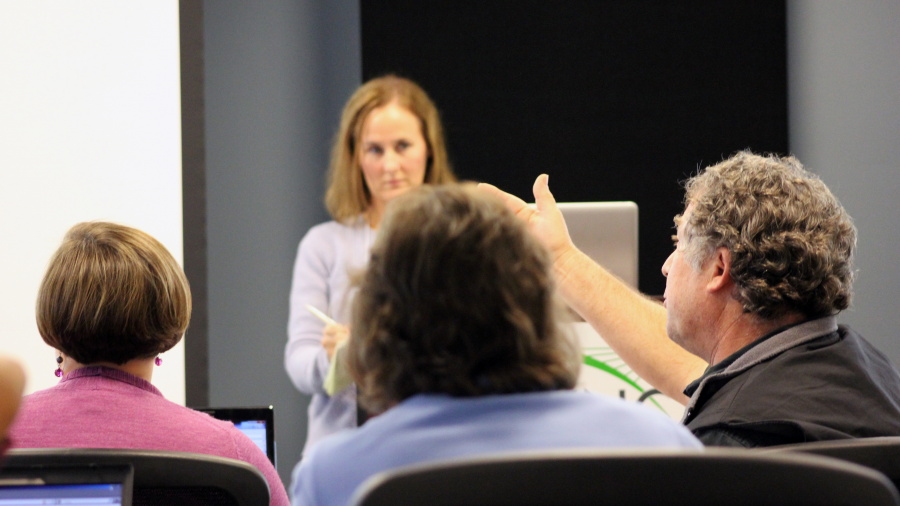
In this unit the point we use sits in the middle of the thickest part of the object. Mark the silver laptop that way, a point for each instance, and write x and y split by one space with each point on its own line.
608 233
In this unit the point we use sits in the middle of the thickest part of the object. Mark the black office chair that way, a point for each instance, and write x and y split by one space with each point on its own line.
162 477
879 453
659 478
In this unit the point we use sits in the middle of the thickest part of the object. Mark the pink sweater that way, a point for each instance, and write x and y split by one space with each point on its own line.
98 407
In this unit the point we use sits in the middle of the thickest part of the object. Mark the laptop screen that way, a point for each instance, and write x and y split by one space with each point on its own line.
608 233
84 495
256 431
82 484
257 423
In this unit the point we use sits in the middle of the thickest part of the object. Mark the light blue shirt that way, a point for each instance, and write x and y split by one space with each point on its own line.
435 427
328 256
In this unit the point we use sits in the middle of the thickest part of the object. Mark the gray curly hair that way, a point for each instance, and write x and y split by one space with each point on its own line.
791 242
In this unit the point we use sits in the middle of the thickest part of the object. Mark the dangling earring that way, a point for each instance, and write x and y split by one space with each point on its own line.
59 361
158 361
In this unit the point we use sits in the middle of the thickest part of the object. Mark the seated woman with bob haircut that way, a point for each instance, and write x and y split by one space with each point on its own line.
456 344
112 300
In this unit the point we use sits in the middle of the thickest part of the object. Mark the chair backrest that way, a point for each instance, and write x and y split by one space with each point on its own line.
712 477
879 453
163 477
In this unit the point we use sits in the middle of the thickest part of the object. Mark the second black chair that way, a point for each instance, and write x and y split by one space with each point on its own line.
879 453
712 477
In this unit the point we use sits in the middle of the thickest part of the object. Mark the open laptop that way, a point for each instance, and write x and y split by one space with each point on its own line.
608 233
86 485
257 423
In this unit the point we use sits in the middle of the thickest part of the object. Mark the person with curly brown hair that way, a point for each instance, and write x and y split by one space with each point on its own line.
456 347
746 336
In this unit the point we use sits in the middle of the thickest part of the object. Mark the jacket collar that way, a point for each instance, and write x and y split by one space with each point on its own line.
759 351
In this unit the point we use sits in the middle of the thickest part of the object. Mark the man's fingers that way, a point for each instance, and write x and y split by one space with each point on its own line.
487 187
515 204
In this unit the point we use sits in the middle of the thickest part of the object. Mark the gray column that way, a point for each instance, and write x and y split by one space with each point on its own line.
277 74
844 102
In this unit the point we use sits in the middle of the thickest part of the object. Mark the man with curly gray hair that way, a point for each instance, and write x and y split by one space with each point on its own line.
746 337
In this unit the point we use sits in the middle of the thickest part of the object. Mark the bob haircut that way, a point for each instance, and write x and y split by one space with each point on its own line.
457 300
348 196
112 294
791 241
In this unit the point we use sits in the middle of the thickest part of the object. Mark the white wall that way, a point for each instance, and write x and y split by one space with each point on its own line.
89 130
844 100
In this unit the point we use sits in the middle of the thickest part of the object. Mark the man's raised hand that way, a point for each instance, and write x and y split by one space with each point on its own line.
545 221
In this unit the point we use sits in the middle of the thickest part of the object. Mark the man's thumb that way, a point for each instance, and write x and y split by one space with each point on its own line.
542 196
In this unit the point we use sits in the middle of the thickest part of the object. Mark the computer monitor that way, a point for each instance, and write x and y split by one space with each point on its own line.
257 423
86 485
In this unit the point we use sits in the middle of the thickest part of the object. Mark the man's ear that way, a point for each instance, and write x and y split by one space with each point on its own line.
719 269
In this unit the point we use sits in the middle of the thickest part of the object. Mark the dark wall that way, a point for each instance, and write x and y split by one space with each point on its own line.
616 100
193 186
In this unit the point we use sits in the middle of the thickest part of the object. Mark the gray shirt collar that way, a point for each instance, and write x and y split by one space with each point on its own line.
764 349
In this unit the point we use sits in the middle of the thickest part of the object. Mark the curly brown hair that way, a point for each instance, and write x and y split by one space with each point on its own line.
458 300
348 196
112 294
791 242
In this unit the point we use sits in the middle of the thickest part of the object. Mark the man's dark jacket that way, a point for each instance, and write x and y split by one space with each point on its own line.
809 382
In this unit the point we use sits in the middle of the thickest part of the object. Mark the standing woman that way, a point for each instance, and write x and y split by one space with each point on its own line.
390 141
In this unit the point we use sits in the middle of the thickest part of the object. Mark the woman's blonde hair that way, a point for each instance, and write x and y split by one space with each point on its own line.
347 196
112 294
